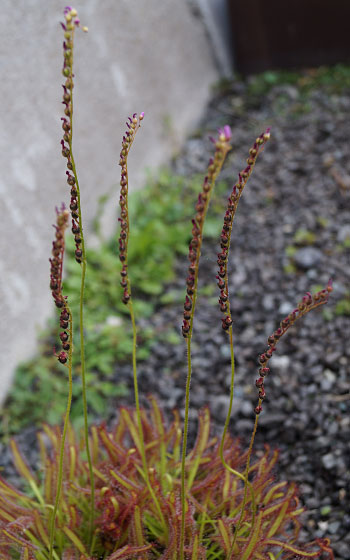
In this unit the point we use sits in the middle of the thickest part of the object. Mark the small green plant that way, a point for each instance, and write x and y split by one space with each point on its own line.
135 491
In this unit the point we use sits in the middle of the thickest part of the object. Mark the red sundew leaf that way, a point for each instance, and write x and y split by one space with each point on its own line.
21 464
40 529
132 427
124 481
200 445
137 526
9 508
294 551
128 551
7 538
225 539
114 450
75 540
281 518
27 554
253 541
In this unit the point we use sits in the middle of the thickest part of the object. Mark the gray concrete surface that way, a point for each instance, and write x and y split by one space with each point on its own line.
139 55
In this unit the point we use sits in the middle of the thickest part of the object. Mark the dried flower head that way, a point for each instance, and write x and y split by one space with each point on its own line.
225 238
69 25
222 147
133 124
308 303
56 270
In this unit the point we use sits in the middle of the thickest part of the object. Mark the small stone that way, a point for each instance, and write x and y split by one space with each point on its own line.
280 364
328 380
333 527
343 234
268 302
307 257
225 351
285 308
328 461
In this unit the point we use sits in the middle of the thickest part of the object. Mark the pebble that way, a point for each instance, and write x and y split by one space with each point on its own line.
307 257
328 461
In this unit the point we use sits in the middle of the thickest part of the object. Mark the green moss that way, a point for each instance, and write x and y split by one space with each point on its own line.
304 237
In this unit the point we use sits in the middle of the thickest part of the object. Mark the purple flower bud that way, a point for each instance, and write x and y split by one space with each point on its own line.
227 132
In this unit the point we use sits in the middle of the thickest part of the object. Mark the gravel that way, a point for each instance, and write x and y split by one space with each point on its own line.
300 184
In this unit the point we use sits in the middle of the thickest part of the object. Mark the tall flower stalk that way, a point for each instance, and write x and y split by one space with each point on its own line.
66 337
222 278
71 22
222 147
133 124
307 304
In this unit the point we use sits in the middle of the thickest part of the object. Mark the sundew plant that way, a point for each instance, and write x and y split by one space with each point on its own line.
135 489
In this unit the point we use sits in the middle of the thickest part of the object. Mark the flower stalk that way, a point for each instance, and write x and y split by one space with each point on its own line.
133 124
65 355
222 278
307 304
222 147
71 22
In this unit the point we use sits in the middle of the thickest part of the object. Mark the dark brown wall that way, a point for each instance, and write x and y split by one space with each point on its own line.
269 34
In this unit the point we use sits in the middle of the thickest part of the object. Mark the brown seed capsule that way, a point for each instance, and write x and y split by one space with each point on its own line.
64 336
262 359
126 296
221 283
225 326
62 357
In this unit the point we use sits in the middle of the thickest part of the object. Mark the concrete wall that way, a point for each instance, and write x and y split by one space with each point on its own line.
139 55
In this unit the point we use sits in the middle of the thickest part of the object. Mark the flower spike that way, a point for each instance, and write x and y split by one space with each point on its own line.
133 126
225 238
308 303
222 147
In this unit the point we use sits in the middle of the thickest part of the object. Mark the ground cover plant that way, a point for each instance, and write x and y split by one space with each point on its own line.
136 491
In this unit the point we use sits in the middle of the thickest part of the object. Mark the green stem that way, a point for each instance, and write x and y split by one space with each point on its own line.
246 484
81 320
82 350
227 421
63 439
223 150
139 421
184 447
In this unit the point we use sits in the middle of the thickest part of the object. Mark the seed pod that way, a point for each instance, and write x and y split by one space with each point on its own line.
62 357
